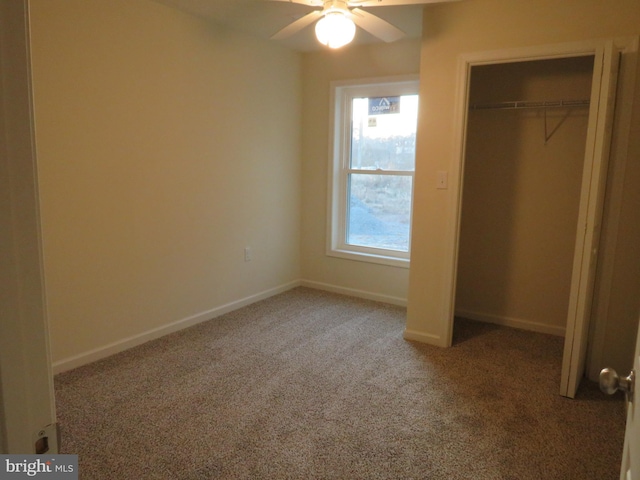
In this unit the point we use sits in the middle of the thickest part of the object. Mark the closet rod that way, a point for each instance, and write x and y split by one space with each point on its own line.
524 104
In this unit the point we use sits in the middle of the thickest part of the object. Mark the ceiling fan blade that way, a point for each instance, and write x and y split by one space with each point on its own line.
298 25
376 26
310 3
389 3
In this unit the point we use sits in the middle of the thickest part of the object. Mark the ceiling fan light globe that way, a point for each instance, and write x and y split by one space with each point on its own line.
335 30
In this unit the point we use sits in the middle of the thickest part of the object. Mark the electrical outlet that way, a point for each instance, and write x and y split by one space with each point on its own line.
247 254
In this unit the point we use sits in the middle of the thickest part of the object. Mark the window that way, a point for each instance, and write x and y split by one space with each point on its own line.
371 170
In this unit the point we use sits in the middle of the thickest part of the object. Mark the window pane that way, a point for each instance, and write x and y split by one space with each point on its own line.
379 211
384 138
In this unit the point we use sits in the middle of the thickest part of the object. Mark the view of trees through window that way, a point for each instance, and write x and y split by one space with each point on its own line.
380 176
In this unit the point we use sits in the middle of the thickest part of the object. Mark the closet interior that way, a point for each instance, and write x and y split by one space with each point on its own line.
524 155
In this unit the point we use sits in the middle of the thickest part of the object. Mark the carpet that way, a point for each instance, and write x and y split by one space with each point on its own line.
314 385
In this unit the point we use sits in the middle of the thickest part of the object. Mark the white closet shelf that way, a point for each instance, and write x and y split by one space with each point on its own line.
530 104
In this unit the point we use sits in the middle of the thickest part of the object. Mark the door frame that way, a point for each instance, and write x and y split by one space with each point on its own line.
465 64
27 402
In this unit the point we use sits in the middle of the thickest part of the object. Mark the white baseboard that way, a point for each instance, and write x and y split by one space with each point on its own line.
511 322
352 292
135 340
421 337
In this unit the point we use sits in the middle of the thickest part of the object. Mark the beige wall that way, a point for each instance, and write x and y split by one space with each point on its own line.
166 145
521 194
319 69
482 25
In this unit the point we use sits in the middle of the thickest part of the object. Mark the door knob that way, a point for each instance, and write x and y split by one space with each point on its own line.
611 382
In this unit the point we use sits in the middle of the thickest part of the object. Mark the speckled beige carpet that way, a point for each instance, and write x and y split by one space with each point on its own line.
312 385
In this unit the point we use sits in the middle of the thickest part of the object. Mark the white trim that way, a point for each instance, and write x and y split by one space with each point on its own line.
421 337
352 292
375 81
541 52
465 63
369 257
456 167
511 322
135 340
615 187
27 400
339 133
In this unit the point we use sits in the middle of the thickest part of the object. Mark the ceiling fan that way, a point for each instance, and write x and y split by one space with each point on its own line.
337 20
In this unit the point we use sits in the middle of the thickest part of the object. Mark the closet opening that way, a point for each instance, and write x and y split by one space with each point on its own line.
522 184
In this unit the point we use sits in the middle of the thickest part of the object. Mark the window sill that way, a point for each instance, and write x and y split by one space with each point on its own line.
370 258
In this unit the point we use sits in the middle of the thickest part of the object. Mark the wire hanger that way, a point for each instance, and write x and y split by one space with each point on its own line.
548 134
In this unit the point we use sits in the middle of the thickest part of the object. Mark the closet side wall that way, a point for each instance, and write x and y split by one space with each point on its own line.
521 194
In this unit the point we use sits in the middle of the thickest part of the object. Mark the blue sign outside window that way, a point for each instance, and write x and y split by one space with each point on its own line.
384 105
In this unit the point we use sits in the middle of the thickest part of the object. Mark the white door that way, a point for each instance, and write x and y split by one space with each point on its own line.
610 383
631 453
603 92
27 408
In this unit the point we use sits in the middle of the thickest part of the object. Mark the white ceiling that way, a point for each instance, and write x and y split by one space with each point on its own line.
262 18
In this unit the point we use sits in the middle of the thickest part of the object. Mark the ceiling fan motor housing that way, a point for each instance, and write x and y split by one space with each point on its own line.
331 6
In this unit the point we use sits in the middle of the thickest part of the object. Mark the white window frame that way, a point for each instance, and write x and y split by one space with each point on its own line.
342 94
